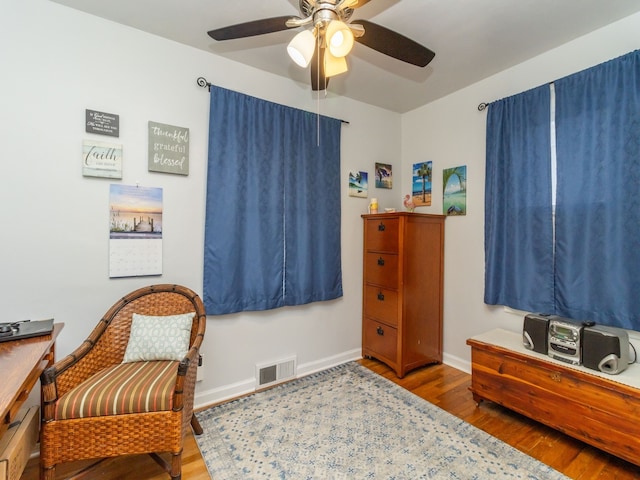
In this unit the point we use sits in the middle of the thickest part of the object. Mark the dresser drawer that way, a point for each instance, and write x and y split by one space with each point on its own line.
381 269
380 338
382 234
381 304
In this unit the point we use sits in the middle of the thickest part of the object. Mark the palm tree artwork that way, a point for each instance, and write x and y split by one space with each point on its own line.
358 184
421 190
454 191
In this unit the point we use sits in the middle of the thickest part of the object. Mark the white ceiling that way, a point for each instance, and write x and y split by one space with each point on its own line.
473 39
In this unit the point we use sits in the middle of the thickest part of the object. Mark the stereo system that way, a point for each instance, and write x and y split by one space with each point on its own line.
605 349
579 343
535 332
564 340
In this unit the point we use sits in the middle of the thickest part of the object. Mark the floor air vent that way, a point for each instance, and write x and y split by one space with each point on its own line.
273 373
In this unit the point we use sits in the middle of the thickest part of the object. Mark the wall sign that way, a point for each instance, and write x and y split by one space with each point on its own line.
102 123
168 149
100 159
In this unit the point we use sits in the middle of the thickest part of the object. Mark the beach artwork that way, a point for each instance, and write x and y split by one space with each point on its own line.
358 184
384 176
421 186
454 191
135 231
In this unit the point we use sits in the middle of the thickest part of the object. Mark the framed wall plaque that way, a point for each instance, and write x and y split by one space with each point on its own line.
101 159
102 123
168 149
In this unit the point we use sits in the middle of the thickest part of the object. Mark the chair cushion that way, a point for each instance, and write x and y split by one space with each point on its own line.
125 388
158 337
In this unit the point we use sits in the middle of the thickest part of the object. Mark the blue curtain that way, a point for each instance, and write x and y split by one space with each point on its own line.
272 227
598 194
518 213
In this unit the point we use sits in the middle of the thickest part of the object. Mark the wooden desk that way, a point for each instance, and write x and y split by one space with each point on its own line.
21 363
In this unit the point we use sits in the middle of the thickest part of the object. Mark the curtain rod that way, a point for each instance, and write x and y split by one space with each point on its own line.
483 105
202 82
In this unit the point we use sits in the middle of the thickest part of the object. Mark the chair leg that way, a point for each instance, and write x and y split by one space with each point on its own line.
195 424
174 469
176 466
47 473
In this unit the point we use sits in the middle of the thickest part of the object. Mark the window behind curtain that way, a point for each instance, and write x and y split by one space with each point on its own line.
518 220
598 197
596 255
272 227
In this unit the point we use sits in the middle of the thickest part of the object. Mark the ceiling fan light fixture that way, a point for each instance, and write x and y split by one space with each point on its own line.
339 38
334 65
301 48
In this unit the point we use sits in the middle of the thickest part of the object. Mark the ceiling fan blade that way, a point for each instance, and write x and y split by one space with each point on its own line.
250 29
319 80
393 44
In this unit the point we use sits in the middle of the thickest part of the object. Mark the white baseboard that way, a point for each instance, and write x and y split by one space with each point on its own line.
244 387
457 362
227 392
323 364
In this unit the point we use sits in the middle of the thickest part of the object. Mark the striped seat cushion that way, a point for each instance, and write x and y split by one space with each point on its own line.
126 388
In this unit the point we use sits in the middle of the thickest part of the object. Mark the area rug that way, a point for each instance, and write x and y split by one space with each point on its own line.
349 423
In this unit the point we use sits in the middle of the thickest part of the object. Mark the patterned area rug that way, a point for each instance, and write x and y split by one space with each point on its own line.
350 423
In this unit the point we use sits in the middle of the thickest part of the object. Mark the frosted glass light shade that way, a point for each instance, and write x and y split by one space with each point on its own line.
301 48
334 65
339 38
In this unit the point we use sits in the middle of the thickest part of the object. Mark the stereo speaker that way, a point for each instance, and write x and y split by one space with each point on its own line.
605 349
535 332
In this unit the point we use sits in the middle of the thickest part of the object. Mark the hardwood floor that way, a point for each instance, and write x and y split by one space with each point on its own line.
448 387
442 385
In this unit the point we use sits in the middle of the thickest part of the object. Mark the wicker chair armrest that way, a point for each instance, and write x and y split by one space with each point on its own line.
185 363
51 374
185 379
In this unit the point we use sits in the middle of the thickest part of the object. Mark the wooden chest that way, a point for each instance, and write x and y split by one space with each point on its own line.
599 409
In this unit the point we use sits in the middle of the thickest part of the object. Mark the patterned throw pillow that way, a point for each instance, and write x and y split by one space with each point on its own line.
158 338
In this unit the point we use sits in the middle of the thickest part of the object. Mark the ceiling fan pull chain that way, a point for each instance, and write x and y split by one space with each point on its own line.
318 95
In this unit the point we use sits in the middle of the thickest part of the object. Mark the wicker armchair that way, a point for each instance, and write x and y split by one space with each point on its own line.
102 435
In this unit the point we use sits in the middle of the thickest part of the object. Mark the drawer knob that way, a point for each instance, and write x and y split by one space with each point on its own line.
381 262
381 296
380 331
381 227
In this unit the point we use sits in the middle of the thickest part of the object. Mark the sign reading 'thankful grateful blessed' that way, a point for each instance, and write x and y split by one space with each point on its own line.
168 149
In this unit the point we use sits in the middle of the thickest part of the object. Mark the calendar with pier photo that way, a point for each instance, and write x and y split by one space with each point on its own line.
135 231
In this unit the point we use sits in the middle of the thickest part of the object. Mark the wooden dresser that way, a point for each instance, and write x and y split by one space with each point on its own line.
597 408
403 289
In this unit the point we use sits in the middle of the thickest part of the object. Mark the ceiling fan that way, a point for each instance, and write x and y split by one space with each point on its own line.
330 38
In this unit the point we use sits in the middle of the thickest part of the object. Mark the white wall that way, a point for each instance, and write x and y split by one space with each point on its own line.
56 62
451 132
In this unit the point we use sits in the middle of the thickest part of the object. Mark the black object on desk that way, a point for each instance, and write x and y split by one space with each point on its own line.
25 329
